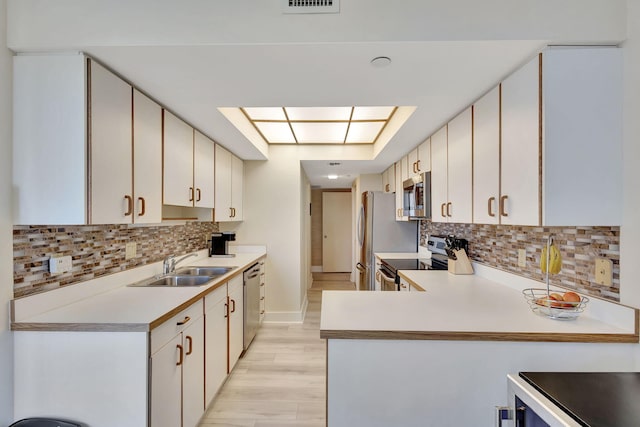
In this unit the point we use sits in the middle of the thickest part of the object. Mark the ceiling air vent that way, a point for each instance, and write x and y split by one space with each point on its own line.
311 6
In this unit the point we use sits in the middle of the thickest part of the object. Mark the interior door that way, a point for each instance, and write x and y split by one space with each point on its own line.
336 232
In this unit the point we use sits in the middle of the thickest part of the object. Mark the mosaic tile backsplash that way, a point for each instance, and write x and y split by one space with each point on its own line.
96 250
497 246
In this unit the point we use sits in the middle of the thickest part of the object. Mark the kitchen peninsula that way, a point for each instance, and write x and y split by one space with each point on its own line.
441 357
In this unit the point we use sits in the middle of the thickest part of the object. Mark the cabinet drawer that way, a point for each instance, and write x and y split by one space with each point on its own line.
172 327
215 297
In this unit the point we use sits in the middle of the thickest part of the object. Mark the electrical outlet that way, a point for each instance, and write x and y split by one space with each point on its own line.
604 271
130 250
522 257
61 264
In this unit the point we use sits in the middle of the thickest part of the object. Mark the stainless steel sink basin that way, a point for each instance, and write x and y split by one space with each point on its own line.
204 271
175 280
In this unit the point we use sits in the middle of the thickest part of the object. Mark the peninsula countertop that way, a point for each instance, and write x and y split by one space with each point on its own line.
456 307
132 309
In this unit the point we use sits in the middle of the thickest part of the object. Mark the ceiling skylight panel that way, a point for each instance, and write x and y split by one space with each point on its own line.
363 132
307 114
320 133
265 113
276 133
372 113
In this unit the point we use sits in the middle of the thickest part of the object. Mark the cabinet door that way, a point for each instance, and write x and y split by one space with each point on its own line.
223 185
236 320
147 157
406 170
424 156
459 168
385 181
486 158
412 162
391 174
216 342
166 384
193 373
439 175
520 168
399 192
110 148
203 170
178 162
237 187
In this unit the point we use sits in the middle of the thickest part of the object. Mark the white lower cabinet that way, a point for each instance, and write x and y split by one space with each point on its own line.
216 315
177 370
263 281
236 320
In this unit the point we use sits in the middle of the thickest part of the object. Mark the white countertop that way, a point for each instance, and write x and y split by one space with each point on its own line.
467 307
125 308
404 255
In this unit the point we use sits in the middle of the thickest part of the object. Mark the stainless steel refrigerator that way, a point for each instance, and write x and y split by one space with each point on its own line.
378 231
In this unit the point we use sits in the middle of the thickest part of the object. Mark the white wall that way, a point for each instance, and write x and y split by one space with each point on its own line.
272 199
630 231
6 234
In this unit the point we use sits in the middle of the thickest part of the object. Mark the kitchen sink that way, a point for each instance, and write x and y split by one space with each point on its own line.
175 280
204 271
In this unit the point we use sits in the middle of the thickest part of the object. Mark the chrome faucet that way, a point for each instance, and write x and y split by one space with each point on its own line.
170 262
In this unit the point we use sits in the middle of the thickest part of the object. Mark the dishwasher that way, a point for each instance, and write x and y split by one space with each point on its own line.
251 303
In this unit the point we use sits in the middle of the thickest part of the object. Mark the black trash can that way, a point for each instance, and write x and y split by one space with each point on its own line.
44 422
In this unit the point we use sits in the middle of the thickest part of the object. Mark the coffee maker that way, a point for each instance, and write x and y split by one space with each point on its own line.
220 244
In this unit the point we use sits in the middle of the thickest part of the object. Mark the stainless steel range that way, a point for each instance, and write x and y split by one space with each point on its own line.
388 273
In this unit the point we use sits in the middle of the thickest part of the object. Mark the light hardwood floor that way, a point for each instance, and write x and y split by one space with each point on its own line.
280 381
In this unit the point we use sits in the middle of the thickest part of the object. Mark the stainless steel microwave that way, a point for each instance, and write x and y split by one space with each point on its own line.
417 196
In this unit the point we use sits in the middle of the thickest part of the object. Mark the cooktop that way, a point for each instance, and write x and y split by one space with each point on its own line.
437 262
593 399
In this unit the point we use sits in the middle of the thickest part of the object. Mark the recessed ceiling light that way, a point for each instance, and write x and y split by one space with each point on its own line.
381 61
332 176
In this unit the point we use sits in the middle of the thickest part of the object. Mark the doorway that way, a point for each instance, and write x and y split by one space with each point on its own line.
336 231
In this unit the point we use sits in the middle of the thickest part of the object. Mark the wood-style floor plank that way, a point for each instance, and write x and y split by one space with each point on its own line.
280 381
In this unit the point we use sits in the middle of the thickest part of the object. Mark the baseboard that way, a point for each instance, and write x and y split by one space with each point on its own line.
287 316
316 269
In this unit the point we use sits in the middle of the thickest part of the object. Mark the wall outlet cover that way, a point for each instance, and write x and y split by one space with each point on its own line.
130 251
522 257
604 271
60 264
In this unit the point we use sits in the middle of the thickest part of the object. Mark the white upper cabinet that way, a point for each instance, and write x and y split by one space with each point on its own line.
571 173
73 154
400 191
439 197
459 168
203 171
229 180
520 167
178 162
147 157
486 158
419 159
110 153
389 179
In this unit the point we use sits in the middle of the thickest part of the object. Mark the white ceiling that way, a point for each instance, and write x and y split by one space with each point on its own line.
195 56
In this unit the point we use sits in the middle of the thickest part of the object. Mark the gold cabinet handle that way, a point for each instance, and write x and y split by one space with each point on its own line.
129 200
503 211
191 194
449 209
230 212
142 206
261 298
261 284
418 165
226 310
183 321
233 303
190 341
415 167
490 203
262 312
198 197
180 349
442 210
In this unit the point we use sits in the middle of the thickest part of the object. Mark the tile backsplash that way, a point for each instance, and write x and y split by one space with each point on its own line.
497 246
96 250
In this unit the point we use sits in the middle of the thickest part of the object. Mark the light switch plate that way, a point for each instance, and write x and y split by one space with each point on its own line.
60 264
522 257
130 250
604 271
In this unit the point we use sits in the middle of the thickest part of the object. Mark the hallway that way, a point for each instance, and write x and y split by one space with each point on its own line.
280 381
